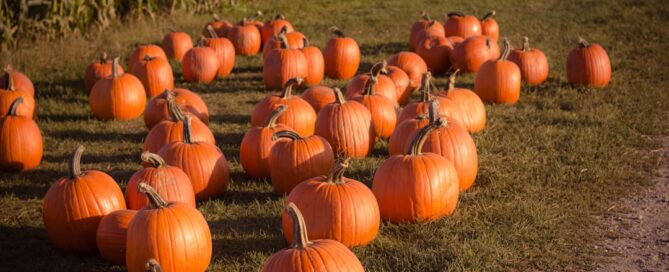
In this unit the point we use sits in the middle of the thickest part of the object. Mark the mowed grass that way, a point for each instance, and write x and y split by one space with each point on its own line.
548 166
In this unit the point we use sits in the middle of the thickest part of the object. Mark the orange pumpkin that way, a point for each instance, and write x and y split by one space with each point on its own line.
176 44
457 24
200 64
274 26
294 159
498 81
315 63
434 28
257 144
170 182
300 116
246 38
416 186
421 107
142 51
110 236
318 96
341 55
221 27
283 64
9 94
532 63
157 110
275 42
71 216
347 126
379 83
170 131
155 75
225 52
336 207
413 65
203 162
382 109
258 24
468 105
402 133
315 255
120 96
20 141
173 233
588 64
422 28
402 81
96 71
20 81
436 52
489 26
469 55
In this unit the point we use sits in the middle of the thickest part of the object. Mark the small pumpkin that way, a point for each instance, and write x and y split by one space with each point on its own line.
9 94
588 64
469 55
468 105
258 24
489 26
461 25
341 55
378 82
421 107
402 81
176 44
257 144
157 110
418 27
436 52
294 158
532 63
110 236
225 52
315 63
170 131
318 96
283 64
74 205
299 116
170 182
382 109
315 255
402 133
120 96
20 81
155 75
96 71
200 64
221 27
413 65
142 51
21 145
245 37
498 81
274 26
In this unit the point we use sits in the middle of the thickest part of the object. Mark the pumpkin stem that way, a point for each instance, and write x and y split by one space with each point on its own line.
211 31
300 237
243 21
75 161
200 42
507 50
455 13
256 15
173 110
104 57
433 111
115 67
14 106
154 159
425 16
187 133
369 85
292 135
283 40
10 80
216 17
306 42
451 79
279 17
488 15
418 141
149 58
425 91
270 122
155 199
429 25
153 266
288 87
526 44
338 170
582 42
337 32
167 94
339 95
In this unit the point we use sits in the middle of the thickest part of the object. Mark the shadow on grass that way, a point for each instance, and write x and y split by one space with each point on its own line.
230 118
88 136
251 234
382 48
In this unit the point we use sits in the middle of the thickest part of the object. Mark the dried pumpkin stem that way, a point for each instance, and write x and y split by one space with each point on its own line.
451 79
270 122
200 42
488 15
425 16
173 110
155 199
14 106
582 42
104 57
286 134
288 87
187 131
339 95
526 44
279 17
283 40
369 85
212 32
337 172
306 42
115 67
507 50
337 32
10 80
75 161
433 111
418 141
153 266
216 17
256 15
149 58
154 159
455 13
300 237
425 91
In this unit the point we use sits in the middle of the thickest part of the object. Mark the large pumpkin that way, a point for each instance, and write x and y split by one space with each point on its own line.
382 109
413 65
300 116
142 51
20 81
335 207
282 64
245 37
176 44
294 159
170 131
96 71
200 64
120 96
155 75
157 110
376 81
341 55
436 52
221 27
465 26
347 126
468 105
173 233
9 94
225 52
421 107
588 64
21 144
274 26
111 234
433 28
170 182
498 81
203 162
532 63
74 205
489 26
402 133
318 96
469 55
257 144
315 63
402 82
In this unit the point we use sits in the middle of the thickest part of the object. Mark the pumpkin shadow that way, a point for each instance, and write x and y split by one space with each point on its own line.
91 137
247 235
35 183
64 90
247 69
240 119
225 86
382 48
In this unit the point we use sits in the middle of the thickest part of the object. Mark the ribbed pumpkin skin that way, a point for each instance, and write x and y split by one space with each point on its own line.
397 143
21 144
469 106
318 96
221 28
275 43
142 51
436 52
176 44
315 65
169 131
273 27
293 161
533 65
255 149
204 163
177 236
462 26
170 182
246 39
384 86
347 127
383 112
498 82
156 111
342 57
111 235
200 64
156 76
321 255
121 97
20 81
469 55
416 28
412 64
225 52
432 29
402 81
26 108
281 65
490 28
589 65
94 72
415 109
300 115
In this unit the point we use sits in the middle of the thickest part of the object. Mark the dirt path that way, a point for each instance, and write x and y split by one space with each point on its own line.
642 226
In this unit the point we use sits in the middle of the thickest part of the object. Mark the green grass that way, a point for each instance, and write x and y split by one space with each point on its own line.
549 166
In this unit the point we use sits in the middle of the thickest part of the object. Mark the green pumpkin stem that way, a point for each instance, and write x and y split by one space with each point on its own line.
270 122
526 44
337 173
339 95
187 131
154 159
292 135
488 15
153 266
507 50
300 237
582 43
418 141
337 32
75 162
212 32
155 199
287 92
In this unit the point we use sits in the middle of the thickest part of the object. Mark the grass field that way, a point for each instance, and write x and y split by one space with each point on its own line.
549 166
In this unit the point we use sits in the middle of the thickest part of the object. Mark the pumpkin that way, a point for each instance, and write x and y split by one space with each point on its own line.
347 126
420 107
257 144
221 27
275 42
318 96
20 141
176 44
110 236
157 110
74 205
299 116
341 55
532 63
283 64
434 28
413 65
416 186
170 182
455 40
402 81
296 159
315 255
153 266
489 26
200 64
170 131
382 109
155 75
498 81
315 63
436 52
120 96
245 37
258 24
96 71
468 105
9 94
402 133
274 26
588 64
142 51
20 81
469 55
422 28
336 207
379 83
225 52
174 233
204 164
457 24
